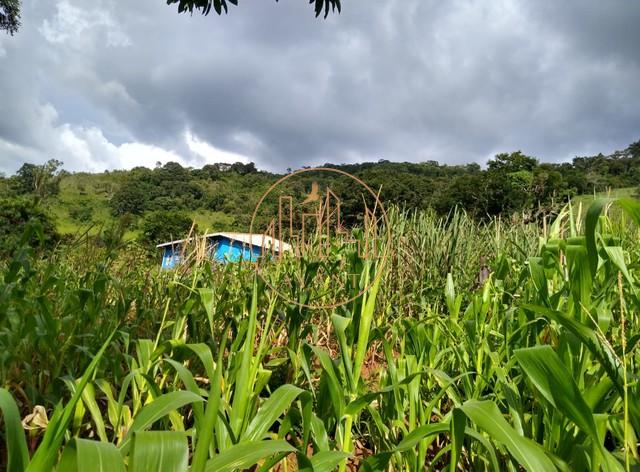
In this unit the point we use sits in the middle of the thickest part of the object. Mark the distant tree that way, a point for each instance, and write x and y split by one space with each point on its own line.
473 168
514 162
465 191
204 6
216 201
165 225
172 171
10 16
243 169
548 184
634 150
210 171
130 198
24 179
39 180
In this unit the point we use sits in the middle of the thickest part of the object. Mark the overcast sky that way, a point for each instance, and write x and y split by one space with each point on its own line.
108 84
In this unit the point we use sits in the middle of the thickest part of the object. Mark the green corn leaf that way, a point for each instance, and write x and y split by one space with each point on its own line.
326 461
355 406
590 339
364 327
600 349
112 406
18 455
420 433
595 394
190 384
457 426
274 407
591 223
244 455
486 444
580 274
631 207
340 325
206 297
158 408
206 429
436 459
46 454
554 382
89 401
336 389
380 462
244 383
377 463
204 354
319 433
616 256
83 454
486 415
453 302
159 450
539 279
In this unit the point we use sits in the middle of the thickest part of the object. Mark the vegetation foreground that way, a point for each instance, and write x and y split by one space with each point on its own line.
482 347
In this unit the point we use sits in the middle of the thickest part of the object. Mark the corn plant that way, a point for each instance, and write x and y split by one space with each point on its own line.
479 346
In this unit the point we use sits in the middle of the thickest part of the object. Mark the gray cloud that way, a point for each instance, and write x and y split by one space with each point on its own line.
109 84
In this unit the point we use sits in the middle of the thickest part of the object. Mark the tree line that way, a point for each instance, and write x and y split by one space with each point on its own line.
159 202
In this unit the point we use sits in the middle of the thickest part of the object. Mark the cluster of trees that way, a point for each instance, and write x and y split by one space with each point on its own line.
21 198
511 182
41 181
160 202
164 188
163 198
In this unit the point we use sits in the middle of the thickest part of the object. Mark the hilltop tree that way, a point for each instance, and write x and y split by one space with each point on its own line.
514 162
204 6
10 16
39 180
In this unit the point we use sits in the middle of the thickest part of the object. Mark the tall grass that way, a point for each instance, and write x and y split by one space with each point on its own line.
484 346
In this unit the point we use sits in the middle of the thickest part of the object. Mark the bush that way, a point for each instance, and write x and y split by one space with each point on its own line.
15 214
82 212
130 198
165 225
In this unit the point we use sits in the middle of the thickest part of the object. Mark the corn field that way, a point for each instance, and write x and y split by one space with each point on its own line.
482 346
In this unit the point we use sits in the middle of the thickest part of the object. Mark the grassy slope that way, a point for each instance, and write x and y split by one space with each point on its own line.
613 193
93 191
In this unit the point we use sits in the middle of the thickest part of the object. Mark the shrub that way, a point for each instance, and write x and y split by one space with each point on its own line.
15 214
165 225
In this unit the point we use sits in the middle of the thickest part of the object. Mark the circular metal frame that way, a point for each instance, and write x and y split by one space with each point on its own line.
379 204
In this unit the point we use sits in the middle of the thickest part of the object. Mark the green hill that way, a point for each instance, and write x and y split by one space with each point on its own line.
153 204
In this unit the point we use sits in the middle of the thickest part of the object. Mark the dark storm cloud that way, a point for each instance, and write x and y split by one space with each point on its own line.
111 83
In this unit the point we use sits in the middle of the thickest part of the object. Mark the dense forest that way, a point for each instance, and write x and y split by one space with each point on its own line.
152 205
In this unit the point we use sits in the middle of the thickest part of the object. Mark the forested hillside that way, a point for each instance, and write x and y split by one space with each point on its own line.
152 205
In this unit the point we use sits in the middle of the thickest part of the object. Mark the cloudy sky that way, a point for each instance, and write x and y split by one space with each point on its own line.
107 84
